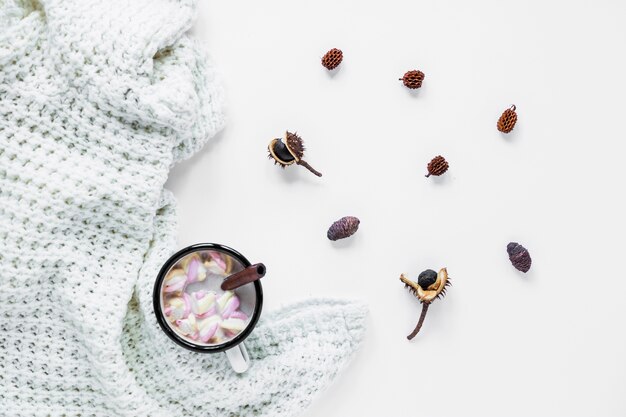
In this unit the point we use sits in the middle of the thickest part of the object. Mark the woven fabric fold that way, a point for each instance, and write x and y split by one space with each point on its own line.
97 101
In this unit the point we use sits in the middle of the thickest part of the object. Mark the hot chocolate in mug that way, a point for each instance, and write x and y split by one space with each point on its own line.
208 298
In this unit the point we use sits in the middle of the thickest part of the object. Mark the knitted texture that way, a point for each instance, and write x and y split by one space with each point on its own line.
97 101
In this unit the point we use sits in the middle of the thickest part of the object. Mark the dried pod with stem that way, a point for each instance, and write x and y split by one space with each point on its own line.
507 120
430 286
437 166
289 152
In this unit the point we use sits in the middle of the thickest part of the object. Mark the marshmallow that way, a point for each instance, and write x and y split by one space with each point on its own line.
188 326
203 303
175 282
239 315
195 271
178 307
219 260
202 272
223 299
213 268
208 328
233 325
231 305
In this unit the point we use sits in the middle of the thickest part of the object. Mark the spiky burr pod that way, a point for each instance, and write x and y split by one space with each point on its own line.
429 287
413 79
289 152
519 256
332 59
437 166
507 121
343 228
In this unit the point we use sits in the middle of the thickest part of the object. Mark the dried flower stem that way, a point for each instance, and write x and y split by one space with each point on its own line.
309 167
420 322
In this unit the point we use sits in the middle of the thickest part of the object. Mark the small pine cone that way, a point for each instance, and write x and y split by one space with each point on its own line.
507 121
413 79
332 59
519 256
343 228
437 166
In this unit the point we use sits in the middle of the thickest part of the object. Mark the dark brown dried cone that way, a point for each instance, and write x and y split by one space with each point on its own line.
519 256
507 121
413 79
437 166
332 59
343 228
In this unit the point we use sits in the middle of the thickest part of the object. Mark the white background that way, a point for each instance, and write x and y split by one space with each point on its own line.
551 342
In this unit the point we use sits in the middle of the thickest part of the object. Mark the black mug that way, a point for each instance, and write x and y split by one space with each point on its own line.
193 309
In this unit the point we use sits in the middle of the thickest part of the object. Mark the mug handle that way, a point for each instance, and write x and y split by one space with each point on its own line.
238 358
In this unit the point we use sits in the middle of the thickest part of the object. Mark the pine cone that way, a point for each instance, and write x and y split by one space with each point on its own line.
437 166
507 121
519 256
332 59
343 228
413 79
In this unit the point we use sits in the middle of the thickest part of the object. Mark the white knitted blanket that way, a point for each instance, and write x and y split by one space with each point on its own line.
98 99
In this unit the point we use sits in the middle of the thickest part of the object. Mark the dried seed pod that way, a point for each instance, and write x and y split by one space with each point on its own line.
519 256
427 294
437 166
332 59
343 228
507 121
289 152
413 79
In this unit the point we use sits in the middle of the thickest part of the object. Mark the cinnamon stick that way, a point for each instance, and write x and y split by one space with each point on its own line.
243 277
